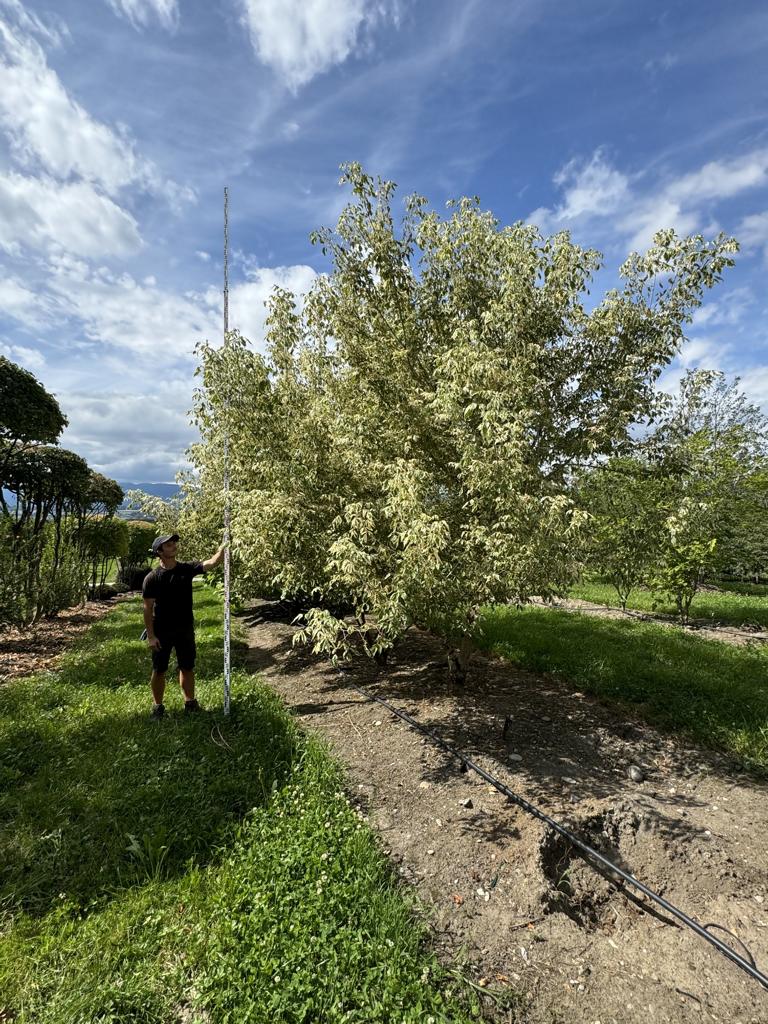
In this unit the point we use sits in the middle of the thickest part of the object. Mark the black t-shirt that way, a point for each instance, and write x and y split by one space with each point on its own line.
172 591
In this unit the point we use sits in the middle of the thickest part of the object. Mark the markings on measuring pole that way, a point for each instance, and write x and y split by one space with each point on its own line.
227 663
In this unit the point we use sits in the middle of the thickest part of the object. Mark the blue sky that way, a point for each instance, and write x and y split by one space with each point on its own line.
121 121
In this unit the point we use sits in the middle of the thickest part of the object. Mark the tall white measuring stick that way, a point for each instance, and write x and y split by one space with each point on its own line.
227 676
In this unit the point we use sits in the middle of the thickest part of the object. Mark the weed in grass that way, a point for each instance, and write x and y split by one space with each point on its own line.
149 853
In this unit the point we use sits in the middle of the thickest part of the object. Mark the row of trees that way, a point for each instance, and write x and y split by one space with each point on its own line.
410 445
58 533
691 500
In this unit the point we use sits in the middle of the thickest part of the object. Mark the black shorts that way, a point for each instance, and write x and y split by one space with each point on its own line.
184 642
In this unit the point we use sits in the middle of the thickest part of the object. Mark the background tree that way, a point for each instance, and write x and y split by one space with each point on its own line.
744 551
691 501
53 493
712 444
627 500
28 414
104 540
688 552
136 559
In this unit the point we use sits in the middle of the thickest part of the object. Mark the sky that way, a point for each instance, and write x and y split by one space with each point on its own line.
121 122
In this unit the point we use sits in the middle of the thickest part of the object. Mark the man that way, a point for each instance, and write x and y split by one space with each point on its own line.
167 593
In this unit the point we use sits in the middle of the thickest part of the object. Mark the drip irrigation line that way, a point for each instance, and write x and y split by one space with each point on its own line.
587 852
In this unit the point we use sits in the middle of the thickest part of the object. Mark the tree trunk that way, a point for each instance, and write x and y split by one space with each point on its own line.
458 661
56 552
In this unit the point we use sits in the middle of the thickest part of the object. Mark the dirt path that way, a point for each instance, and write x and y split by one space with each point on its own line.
739 635
503 888
39 648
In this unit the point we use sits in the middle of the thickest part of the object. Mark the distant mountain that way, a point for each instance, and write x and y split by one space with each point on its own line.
159 490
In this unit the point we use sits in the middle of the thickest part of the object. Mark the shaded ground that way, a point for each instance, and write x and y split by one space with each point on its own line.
502 887
740 635
38 649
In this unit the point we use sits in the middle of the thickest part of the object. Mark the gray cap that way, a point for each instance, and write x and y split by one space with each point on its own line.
159 541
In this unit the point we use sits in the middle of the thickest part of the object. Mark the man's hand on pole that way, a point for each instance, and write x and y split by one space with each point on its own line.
209 563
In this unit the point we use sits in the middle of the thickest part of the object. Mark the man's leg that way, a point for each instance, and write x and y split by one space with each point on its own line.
186 652
159 666
187 682
158 686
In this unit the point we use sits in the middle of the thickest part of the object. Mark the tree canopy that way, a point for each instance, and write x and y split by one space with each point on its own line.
27 411
406 444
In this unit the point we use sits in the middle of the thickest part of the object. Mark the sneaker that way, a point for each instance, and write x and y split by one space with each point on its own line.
158 710
191 706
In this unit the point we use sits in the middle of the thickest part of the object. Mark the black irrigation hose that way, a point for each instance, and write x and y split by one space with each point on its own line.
586 851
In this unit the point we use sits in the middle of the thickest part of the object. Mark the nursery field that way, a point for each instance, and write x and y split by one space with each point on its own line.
715 694
732 603
210 869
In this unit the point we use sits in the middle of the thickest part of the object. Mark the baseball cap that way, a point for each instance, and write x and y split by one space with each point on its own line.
159 541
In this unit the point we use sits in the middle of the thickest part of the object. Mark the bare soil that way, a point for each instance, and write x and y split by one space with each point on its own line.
40 647
503 891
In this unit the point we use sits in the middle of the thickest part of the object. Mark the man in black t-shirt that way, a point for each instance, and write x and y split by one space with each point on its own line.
167 593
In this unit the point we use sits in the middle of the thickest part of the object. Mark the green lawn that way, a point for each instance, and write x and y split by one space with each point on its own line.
734 604
191 869
711 692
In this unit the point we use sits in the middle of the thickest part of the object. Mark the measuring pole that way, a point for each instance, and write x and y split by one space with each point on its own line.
227 679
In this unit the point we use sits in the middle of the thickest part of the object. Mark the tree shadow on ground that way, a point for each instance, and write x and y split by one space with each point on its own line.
560 747
286 658
116 799
714 694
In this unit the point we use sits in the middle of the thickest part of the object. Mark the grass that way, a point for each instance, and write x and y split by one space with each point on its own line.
732 604
192 869
713 693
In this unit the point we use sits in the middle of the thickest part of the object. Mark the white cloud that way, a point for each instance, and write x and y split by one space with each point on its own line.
118 310
144 337
141 435
753 229
594 188
753 232
141 12
204 256
754 384
663 63
591 188
595 191
725 312
644 217
31 23
246 300
19 303
48 128
41 213
703 352
721 179
29 358
300 39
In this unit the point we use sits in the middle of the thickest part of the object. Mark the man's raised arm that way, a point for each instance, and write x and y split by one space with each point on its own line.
209 563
